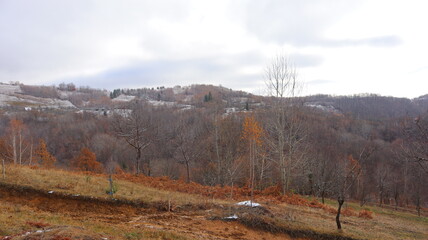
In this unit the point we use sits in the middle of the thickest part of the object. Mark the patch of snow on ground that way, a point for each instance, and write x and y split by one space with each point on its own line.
249 204
4 99
8 100
323 108
232 217
123 98
161 103
9 89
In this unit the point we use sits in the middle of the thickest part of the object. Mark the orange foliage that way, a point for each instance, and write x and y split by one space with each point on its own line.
252 131
270 194
365 214
87 161
45 158
16 125
349 212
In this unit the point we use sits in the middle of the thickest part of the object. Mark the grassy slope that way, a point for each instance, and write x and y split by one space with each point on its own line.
387 224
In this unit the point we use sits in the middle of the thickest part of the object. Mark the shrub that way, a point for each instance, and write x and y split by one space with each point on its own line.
365 214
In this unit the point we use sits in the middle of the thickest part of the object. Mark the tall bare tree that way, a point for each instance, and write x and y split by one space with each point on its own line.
17 130
134 128
286 131
187 142
415 146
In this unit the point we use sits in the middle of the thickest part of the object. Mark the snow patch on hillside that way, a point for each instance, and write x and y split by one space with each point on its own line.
170 104
9 89
330 109
123 98
6 99
249 204
17 100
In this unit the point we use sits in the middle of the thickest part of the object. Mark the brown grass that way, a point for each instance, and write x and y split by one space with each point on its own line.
365 214
290 211
95 185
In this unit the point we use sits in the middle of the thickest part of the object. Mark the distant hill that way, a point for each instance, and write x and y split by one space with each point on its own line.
371 106
67 96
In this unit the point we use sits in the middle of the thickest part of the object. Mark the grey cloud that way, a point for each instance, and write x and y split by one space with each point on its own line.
48 38
382 41
302 23
306 60
174 72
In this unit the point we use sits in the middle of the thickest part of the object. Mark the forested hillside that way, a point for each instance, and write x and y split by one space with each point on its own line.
368 148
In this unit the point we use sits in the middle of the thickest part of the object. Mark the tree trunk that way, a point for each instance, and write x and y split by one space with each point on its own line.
340 200
187 170
322 196
363 197
111 185
149 169
217 150
138 160
20 149
31 153
4 168
15 154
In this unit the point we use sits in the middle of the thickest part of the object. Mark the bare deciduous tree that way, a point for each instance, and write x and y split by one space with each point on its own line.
286 131
134 128
188 141
347 174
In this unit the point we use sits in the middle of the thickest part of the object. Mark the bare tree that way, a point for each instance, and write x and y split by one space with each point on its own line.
286 131
134 128
347 173
17 130
188 141
415 146
4 154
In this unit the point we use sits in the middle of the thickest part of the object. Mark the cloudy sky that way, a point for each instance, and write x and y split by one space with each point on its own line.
338 47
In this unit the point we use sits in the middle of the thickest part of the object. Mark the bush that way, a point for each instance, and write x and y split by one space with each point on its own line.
365 214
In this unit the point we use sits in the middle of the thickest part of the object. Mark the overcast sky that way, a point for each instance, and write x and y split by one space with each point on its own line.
338 47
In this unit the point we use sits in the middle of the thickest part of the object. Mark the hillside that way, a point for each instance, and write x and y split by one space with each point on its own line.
219 146
69 97
53 203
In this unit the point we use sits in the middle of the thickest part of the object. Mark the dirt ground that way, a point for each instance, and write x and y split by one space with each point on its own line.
193 222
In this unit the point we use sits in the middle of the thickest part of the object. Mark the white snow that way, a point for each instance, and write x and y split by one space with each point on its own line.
323 108
8 100
249 204
9 89
4 99
123 98
161 103
232 217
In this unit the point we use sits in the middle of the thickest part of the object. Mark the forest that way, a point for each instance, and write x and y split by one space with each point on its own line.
366 148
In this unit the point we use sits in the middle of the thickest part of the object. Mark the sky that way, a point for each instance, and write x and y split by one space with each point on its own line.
337 47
